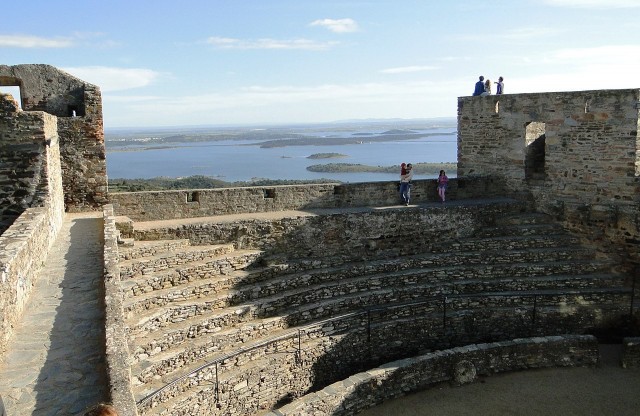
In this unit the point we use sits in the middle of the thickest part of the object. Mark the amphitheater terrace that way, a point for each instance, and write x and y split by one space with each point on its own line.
320 299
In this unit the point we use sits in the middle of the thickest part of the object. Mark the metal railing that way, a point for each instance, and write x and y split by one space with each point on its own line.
368 311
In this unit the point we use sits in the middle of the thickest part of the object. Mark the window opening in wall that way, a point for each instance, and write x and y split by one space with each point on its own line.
72 111
269 193
14 90
497 107
193 196
534 163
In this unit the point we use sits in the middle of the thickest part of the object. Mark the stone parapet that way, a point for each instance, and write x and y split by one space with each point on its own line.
166 205
117 350
39 209
460 365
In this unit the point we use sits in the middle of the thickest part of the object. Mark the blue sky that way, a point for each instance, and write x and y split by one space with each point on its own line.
225 62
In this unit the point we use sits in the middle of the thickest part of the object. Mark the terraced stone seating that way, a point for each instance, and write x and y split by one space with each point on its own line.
219 330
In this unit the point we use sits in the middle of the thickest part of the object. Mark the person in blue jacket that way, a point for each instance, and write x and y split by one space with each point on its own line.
479 86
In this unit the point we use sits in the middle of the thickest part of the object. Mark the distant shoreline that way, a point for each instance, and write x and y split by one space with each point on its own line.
418 168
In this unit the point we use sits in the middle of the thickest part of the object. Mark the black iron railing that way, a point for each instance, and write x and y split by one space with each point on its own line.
368 311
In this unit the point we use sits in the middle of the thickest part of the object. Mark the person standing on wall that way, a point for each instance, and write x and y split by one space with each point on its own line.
405 184
479 87
443 183
500 86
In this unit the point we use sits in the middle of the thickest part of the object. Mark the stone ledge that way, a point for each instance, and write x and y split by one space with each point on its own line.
117 350
460 365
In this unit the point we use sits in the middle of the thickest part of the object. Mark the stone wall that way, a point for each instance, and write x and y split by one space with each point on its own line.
78 108
358 233
458 365
117 350
27 137
165 205
575 152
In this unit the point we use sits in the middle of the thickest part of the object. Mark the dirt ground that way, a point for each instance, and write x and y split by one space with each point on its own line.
607 389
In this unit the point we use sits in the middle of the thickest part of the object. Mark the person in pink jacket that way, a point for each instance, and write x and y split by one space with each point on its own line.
443 183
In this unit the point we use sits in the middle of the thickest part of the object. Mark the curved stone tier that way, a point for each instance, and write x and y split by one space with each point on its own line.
254 327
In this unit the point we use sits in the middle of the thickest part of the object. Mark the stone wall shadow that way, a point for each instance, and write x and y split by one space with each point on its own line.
73 376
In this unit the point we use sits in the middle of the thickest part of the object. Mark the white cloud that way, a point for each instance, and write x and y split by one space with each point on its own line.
578 69
337 25
407 69
284 103
594 4
600 53
114 79
518 34
304 44
24 41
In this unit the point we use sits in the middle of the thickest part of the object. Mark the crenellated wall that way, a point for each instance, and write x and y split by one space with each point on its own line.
576 153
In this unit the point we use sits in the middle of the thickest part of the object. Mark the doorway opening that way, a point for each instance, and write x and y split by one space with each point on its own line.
534 162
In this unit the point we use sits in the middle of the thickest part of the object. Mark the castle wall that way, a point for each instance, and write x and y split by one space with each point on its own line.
575 152
165 205
78 107
31 169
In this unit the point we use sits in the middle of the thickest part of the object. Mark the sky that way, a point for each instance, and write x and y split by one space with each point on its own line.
251 62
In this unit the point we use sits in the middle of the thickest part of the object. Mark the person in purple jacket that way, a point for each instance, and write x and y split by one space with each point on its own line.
500 86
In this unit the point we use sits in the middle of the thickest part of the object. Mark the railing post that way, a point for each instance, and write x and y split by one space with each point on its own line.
535 311
444 314
633 289
217 385
299 352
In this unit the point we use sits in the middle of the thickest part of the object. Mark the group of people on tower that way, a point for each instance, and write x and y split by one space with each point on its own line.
483 88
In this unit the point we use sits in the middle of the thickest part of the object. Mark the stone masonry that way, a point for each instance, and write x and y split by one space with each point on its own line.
78 108
282 288
576 153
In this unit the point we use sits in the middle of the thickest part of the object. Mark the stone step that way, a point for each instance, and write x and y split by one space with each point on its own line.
174 334
176 258
141 249
520 229
523 218
184 289
268 306
213 266
158 359
237 368
201 350
185 397
510 242
196 287
419 265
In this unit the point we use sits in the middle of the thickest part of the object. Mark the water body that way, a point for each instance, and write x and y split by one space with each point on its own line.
240 160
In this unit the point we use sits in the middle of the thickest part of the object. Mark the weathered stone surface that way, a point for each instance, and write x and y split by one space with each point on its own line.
77 107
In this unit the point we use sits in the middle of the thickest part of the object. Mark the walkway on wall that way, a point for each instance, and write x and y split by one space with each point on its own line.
55 361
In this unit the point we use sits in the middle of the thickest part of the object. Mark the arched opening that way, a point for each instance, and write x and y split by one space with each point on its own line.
535 151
